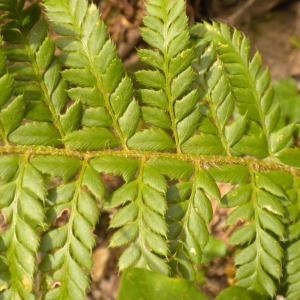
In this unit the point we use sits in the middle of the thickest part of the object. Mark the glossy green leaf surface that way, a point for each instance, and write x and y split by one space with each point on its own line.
146 285
237 293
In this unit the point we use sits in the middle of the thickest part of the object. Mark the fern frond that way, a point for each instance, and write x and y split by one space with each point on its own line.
169 101
68 118
189 214
72 215
12 108
23 195
37 77
102 93
293 254
234 79
221 125
140 220
260 205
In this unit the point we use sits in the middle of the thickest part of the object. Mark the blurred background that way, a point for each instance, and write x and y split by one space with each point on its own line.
273 26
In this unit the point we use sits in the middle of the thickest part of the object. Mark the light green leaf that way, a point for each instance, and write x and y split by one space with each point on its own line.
124 215
90 139
45 54
36 133
156 117
6 83
125 167
174 169
230 173
33 181
206 144
126 193
125 235
244 235
12 115
282 138
153 98
72 118
264 182
290 156
130 119
182 82
288 98
79 77
236 130
151 140
93 182
237 196
57 166
153 58
208 184
129 257
96 117
151 79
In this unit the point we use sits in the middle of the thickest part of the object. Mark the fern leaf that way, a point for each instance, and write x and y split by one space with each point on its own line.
288 98
290 156
127 168
172 168
169 102
220 121
189 214
23 195
293 255
261 207
234 79
229 173
12 108
37 77
73 214
93 71
140 220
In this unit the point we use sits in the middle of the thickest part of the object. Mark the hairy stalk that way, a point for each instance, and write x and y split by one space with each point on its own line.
203 161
